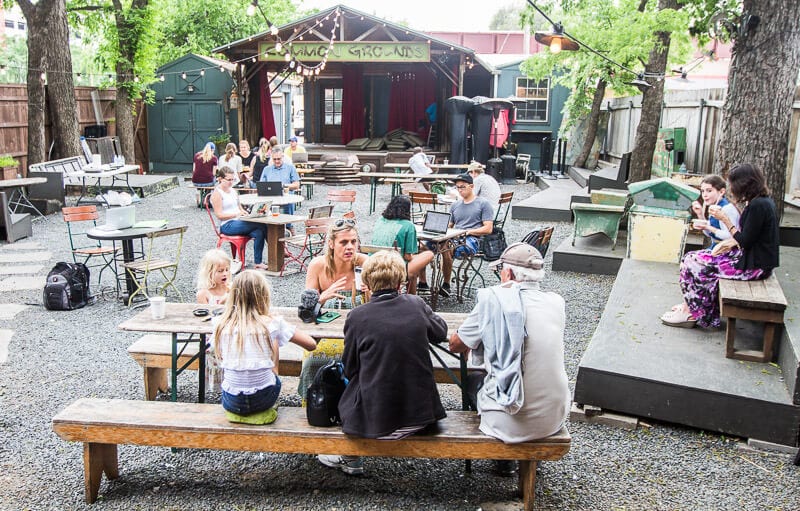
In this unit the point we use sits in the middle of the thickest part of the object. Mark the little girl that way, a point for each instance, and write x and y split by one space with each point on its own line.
246 342
213 277
712 190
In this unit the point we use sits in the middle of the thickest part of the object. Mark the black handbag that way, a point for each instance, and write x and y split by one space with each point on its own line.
494 244
322 396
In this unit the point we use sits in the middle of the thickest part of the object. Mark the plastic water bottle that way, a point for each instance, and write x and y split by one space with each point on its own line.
682 169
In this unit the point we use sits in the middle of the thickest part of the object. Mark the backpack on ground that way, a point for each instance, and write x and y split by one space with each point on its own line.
67 287
494 244
322 396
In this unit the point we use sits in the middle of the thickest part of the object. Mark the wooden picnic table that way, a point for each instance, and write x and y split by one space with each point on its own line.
276 225
185 328
436 167
375 177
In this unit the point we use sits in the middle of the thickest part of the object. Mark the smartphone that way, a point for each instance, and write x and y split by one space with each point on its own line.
357 271
327 317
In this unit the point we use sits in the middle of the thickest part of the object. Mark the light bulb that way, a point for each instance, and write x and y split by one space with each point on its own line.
202 72
273 30
555 45
162 78
183 75
278 47
287 57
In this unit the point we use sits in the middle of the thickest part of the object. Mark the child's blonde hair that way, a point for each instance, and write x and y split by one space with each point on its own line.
208 264
246 315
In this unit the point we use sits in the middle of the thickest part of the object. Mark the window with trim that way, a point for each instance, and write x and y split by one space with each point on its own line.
537 99
333 107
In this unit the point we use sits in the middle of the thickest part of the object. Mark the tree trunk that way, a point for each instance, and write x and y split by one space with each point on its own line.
647 131
762 81
591 128
128 42
48 52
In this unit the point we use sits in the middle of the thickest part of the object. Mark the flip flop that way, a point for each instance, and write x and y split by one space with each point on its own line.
678 319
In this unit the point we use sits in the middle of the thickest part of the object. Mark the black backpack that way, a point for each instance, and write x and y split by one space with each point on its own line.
494 244
67 287
322 396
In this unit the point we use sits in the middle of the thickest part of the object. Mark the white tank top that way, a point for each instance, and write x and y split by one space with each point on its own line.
230 203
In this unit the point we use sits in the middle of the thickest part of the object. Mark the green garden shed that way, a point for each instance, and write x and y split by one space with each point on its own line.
192 103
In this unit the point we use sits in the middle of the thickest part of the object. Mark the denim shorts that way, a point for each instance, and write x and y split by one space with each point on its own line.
246 404
470 247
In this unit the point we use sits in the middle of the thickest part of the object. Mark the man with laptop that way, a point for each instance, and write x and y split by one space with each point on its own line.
471 213
283 171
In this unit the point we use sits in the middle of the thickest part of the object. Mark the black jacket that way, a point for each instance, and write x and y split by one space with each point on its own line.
758 235
387 361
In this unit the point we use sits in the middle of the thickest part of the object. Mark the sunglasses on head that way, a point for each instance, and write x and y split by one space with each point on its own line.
344 221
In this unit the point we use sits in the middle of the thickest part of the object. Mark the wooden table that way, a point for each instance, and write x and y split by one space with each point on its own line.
179 321
120 174
375 177
276 225
436 167
17 197
441 244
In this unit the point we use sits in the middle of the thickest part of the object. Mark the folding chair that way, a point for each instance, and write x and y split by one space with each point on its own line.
79 220
141 271
343 196
306 246
423 202
406 188
503 207
320 211
238 243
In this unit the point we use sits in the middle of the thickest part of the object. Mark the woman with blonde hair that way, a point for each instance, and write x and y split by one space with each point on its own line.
246 342
262 159
204 165
231 159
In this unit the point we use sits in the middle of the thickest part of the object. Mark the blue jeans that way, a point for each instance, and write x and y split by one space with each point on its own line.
246 404
289 210
470 247
256 231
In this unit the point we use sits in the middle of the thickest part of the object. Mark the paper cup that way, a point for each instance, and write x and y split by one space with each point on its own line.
276 210
158 307
699 224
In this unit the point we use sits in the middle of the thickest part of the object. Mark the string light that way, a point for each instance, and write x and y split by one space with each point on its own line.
202 72
183 75
162 78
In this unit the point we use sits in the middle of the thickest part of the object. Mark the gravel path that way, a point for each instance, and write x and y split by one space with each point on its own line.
57 357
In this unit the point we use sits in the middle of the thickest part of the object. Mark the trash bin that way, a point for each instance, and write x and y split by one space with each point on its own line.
658 222
509 169
494 167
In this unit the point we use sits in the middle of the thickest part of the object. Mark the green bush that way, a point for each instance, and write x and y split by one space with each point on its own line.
7 161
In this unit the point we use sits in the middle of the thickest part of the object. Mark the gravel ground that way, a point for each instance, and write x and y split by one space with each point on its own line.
57 357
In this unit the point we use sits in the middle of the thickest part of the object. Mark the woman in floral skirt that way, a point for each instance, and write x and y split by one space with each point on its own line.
750 254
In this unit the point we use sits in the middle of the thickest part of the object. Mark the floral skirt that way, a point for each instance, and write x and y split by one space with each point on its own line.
700 274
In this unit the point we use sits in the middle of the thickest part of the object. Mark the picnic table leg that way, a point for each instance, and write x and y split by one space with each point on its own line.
201 369
98 459
527 483
173 391
373 192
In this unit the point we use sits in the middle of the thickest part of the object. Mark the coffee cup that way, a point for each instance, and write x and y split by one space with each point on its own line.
699 223
158 307
714 208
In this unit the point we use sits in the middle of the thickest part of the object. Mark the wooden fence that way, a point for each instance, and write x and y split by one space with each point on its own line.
700 112
14 120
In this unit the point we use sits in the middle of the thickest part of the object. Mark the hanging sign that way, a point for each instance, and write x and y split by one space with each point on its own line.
362 51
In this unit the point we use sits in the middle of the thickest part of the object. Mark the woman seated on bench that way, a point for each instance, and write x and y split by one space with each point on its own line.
392 392
751 253
246 342
712 189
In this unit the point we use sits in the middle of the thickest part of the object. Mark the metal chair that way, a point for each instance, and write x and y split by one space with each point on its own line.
423 201
141 271
320 211
238 243
307 245
503 207
79 220
342 196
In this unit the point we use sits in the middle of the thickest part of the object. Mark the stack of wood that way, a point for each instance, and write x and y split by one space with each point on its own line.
395 140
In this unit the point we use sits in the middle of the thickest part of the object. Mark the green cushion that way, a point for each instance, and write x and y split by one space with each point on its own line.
265 417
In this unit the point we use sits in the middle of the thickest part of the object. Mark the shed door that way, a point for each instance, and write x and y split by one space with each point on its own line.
332 112
208 118
187 126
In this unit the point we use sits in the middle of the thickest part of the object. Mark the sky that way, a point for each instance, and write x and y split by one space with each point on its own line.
425 15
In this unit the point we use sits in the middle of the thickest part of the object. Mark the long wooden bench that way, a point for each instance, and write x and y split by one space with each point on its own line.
153 352
102 424
754 300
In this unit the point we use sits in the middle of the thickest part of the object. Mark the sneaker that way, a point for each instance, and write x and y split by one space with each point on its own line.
351 467
423 286
505 468
445 290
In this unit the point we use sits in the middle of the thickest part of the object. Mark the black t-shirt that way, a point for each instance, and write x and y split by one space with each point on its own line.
247 162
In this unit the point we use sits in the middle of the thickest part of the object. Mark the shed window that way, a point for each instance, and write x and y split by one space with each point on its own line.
333 107
537 99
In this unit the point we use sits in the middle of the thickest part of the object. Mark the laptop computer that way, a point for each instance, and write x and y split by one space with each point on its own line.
436 223
299 158
269 188
259 209
119 218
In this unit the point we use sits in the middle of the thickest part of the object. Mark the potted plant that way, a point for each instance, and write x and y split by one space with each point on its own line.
220 140
10 166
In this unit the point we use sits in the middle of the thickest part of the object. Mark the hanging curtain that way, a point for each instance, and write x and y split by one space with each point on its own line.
411 94
267 118
353 124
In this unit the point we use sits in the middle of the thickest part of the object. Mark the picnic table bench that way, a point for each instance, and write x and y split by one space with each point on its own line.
754 300
102 424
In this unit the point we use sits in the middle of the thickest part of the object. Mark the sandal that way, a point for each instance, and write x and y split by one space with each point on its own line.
678 319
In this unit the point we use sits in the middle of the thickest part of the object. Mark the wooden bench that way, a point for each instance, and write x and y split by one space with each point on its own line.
102 424
153 352
754 300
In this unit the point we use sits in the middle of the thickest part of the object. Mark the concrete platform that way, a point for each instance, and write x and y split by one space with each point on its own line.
790 224
635 365
551 204
591 254
144 185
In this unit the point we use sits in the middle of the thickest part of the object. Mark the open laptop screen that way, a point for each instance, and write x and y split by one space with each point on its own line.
269 188
436 222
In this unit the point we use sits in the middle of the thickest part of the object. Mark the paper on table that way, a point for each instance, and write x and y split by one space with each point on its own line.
150 224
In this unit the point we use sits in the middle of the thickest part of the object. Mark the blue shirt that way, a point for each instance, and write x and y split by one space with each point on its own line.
286 174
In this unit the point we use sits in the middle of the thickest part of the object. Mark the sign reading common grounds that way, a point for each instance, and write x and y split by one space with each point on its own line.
350 51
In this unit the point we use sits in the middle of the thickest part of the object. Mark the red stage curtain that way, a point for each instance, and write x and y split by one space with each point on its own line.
411 94
353 124
267 118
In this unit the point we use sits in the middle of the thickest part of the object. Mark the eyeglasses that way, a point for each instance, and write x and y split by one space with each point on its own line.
277 159
228 179
462 187
344 221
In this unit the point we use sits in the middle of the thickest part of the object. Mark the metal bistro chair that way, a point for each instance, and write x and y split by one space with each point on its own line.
342 196
503 207
238 243
79 220
141 271
423 201
301 248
